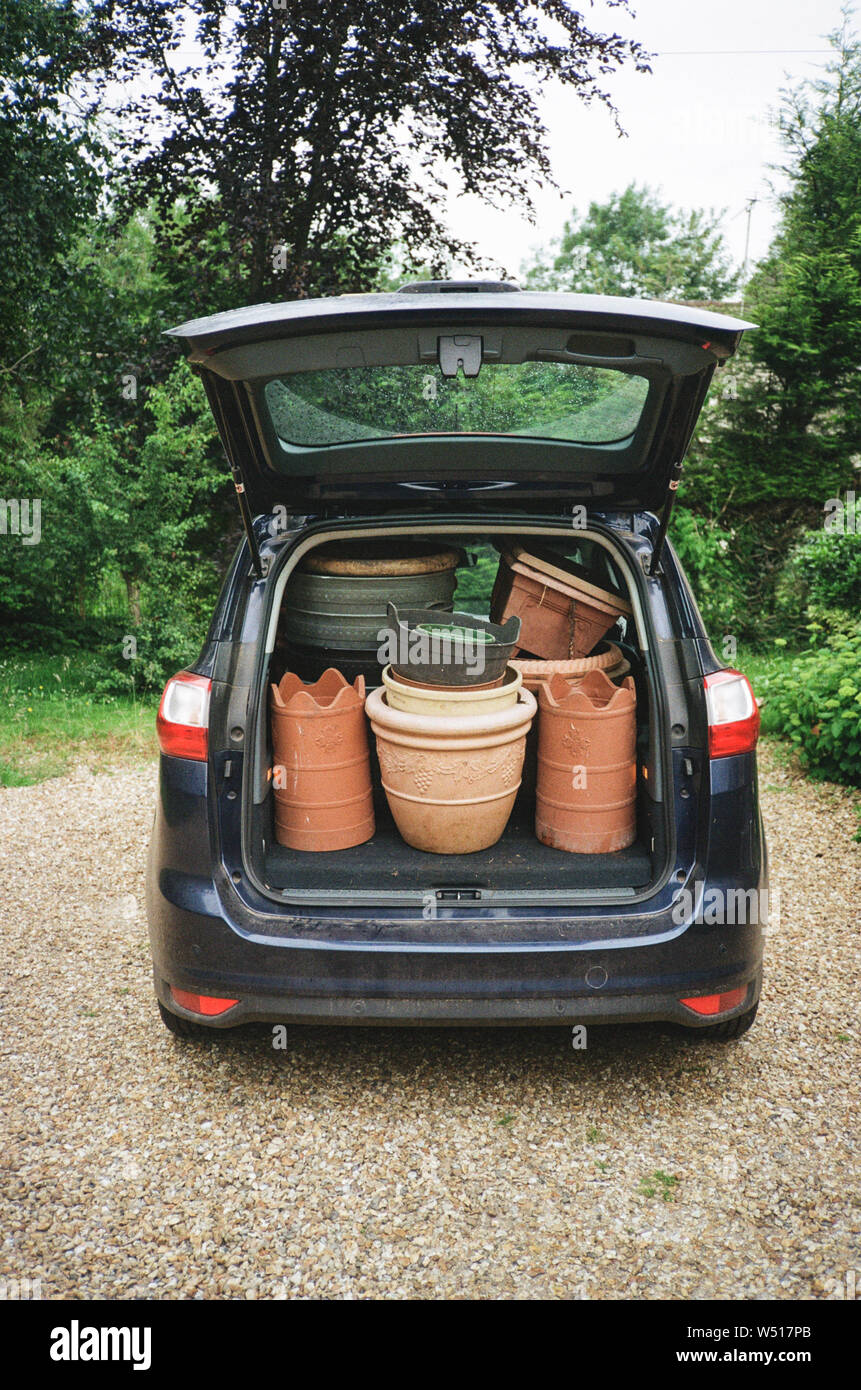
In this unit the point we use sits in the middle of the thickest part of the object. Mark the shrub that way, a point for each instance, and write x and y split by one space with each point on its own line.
829 563
816 704
47 568
818 589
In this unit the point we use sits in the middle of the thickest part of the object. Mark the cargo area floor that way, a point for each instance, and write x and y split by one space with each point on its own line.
518 861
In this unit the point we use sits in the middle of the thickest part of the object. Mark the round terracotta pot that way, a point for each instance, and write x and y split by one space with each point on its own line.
452 700
450 780
587 771
321 771
609 660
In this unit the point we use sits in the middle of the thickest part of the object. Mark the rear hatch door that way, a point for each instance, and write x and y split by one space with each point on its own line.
439 394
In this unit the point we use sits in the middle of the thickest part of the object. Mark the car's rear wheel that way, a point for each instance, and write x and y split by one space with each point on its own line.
185 1027
724 1032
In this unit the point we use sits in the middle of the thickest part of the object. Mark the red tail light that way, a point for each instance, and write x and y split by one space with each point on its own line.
182 722
205 1004
716 1003
732 713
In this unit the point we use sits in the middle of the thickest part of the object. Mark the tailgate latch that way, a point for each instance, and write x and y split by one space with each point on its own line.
461 350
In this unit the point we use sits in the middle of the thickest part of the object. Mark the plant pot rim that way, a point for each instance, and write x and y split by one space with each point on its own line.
422 560
444 729
588 697
330 693
400 679
511 679
537 668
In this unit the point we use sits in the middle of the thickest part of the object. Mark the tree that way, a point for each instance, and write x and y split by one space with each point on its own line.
634 244
320 133
49 183
795 398
779 437
808 293
50 558
147 503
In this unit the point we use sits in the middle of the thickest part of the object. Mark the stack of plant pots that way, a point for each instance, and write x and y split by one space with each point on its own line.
587 771
321 767
422 697
450 721
336 601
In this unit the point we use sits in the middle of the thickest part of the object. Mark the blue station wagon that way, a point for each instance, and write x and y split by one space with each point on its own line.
478 420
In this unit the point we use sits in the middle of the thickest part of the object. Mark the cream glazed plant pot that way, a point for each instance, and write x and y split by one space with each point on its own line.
452 700
451 780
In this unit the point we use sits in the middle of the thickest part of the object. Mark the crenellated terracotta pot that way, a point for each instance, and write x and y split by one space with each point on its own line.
587 770
451 780
321 767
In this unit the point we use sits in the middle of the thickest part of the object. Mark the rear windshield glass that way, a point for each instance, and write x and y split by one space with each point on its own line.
544 400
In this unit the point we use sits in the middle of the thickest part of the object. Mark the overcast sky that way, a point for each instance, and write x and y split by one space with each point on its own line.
698 127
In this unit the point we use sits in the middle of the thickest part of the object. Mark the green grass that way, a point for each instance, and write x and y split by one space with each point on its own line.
659 1184
49 719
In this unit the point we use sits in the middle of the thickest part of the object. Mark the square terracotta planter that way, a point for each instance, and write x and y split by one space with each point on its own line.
562 615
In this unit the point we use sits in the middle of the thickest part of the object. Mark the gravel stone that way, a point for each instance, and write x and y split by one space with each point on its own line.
414 1163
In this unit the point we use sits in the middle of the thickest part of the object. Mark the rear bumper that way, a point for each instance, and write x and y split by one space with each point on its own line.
473 1012
307 977
536 966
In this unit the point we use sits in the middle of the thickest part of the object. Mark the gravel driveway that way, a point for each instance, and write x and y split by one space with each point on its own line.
414 1163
